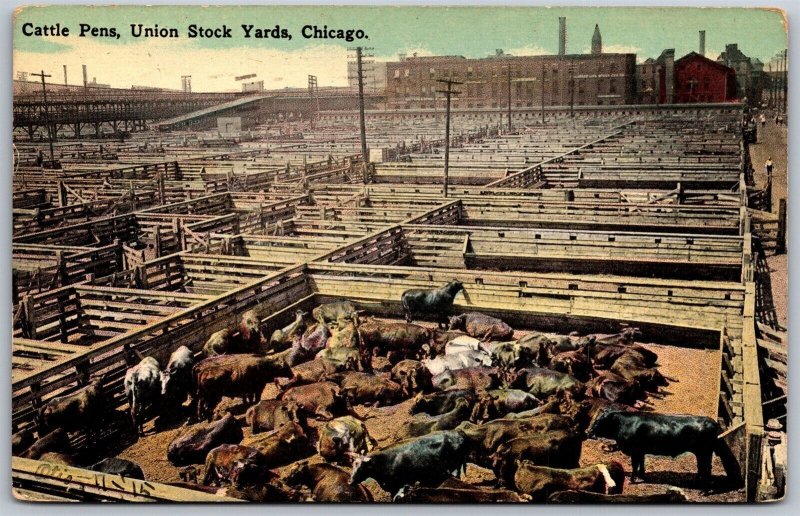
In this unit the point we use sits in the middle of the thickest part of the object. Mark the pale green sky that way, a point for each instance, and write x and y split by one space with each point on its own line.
472 32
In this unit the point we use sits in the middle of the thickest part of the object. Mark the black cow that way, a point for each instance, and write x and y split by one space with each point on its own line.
672 495
436 303
640 433
429 460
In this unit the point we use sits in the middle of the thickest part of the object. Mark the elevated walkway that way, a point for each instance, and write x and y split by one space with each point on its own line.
188 118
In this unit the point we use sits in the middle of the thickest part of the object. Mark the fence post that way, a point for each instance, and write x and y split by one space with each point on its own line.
780 244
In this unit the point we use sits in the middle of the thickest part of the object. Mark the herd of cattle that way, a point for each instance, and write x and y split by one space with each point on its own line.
522 408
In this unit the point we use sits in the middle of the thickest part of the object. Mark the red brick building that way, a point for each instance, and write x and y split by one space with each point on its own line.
578 79
699 79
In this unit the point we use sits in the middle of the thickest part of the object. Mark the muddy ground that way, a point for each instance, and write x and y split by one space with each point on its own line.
695 392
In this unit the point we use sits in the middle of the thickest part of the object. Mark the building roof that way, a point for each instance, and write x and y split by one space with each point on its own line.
694 55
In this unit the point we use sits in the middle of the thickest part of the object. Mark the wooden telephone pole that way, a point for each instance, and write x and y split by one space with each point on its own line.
509 98
361 117
448 93
47 116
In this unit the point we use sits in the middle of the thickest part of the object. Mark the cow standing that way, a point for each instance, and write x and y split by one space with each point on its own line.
241 375
640 433
81 410
176 378
143 390
436 303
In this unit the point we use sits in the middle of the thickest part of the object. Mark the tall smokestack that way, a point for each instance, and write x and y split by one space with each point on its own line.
85 78
702 43
562 35
65 75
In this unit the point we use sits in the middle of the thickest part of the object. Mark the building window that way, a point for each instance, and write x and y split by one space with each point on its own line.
397 74
406 72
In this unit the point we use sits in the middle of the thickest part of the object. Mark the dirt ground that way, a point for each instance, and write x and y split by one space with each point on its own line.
697 372
771 143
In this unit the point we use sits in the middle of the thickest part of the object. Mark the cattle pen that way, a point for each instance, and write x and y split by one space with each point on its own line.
630 216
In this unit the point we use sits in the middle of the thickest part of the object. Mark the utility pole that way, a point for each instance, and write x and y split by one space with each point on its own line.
47 116
785 79
361 117
313 92
771 85
509 99
448 92
543 97
572 91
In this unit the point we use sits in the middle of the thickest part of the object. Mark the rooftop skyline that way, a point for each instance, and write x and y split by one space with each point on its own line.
471 32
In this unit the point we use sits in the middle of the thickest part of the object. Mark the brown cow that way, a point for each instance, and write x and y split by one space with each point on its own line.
314 370
328 483
574 363
273 491
282 446
630 365
481 326
56 441
82 410
343 436
268 415
412 376
557 449
330 312
240 375
540 481
21 441
486 438
194 443
284 337
235 464
368 389
323 399
425 424
475 378
396 340
249 338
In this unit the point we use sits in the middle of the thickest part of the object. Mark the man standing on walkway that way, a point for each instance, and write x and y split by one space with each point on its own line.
768 167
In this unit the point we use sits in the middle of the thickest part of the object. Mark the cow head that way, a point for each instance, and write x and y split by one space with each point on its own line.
360 469
296 473
247 473
165 375
604 425
454 287
456 322
630 334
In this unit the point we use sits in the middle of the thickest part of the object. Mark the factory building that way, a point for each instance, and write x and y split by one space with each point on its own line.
595 79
